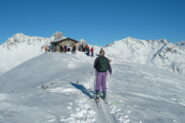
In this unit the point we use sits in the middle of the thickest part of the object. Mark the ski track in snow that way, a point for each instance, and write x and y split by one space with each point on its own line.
103 114
87 111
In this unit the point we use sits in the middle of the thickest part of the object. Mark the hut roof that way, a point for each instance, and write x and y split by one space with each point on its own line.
62 40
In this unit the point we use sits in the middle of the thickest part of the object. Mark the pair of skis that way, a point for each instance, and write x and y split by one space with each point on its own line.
99 100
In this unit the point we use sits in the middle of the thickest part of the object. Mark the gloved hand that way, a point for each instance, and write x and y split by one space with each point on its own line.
110 73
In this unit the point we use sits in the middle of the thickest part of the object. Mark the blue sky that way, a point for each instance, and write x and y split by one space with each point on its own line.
97 21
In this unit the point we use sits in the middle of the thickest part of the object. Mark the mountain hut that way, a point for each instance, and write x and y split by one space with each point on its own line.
56 45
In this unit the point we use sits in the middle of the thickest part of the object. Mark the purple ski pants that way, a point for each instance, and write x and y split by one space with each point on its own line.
101 81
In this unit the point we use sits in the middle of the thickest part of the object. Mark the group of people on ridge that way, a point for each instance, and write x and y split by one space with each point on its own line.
84 48
68 49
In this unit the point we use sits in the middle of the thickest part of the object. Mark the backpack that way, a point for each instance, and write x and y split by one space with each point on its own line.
102 64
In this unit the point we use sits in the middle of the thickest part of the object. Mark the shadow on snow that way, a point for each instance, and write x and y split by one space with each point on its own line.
87 92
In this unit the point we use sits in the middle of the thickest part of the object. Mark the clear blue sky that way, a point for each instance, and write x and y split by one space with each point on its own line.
97 21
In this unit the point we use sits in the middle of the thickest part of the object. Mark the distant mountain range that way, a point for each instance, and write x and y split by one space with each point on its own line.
160 53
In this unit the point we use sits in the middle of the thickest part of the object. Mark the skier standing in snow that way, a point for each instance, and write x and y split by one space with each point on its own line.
73 49
92 51
102 65
88 51
65 48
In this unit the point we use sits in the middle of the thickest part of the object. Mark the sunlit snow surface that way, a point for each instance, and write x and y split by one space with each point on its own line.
57 88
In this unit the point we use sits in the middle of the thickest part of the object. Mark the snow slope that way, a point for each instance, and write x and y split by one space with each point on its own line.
18 49
57 88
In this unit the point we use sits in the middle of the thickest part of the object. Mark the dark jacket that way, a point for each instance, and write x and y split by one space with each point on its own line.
96 64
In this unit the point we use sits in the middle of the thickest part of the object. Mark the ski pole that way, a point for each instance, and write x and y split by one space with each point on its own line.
110 82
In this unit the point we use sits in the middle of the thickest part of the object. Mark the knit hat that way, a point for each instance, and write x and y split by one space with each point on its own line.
102 52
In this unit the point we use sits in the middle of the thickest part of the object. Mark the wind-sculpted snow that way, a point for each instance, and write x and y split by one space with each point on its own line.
59 88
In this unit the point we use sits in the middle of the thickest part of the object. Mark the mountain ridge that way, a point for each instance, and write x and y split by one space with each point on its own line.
160 53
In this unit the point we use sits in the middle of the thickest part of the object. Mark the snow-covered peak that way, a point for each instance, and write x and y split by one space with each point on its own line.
57 36
164 41
160 53
18 35
180 44
17 38
132 42
20 48
129 38
20 38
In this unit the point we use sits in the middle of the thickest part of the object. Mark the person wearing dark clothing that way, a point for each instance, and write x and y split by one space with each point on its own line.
92 51
80 47
65 48
88 51
83 47
61 48
74 49
102 66
49 50
68 49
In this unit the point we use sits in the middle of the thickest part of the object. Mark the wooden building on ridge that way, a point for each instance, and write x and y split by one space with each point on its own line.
55 45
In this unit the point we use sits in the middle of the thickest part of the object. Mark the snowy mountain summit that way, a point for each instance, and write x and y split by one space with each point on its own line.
20 38
57 36
18 49
181 44
160 53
